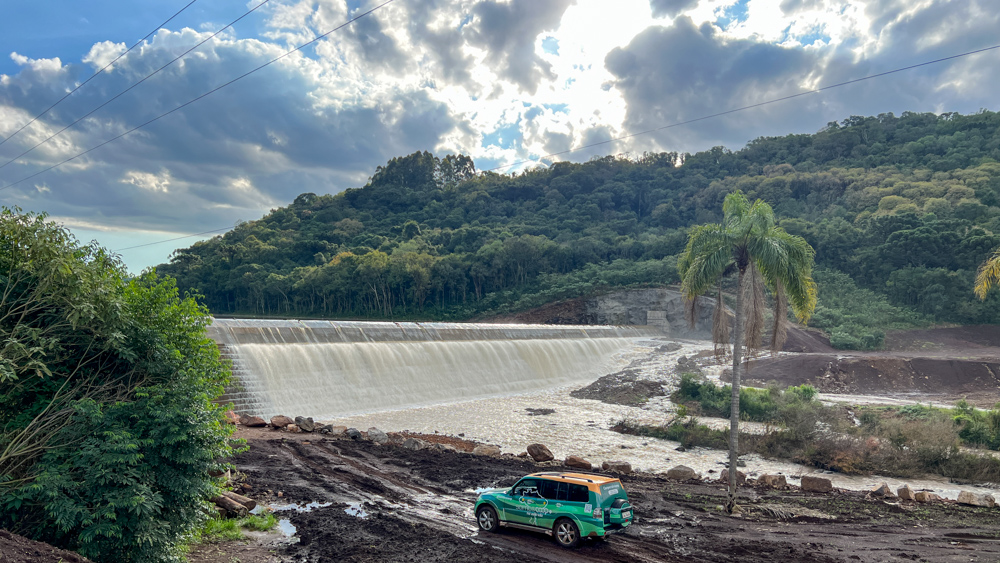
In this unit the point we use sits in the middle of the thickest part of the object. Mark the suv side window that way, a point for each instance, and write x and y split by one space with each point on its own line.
548 489
578 493
526 487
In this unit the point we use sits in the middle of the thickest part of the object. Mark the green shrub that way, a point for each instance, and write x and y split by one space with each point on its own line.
107 425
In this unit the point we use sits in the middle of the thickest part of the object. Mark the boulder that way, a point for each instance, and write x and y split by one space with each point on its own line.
377 436
444 447
741 478
333 430
883 491
306 424
539 452
905 493
816 484
617 466
414 444
353 433
293 428
231 417
925 496
681 473
281 421
253 422
578 462
486 449
772 481
972 499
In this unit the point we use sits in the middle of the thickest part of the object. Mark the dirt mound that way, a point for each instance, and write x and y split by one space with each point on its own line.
880 374
806 341
19 549
622 388
974 338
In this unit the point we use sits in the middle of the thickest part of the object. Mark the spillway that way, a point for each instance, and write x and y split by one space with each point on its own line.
328 369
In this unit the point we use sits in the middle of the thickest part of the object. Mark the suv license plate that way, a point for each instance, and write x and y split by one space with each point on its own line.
627 514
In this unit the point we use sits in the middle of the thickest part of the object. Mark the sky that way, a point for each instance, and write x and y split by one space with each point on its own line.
503 81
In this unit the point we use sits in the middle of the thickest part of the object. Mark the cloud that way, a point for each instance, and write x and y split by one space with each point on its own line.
671 8
508 30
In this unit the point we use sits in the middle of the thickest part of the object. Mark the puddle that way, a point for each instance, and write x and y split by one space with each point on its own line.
356 509
287 528
299 507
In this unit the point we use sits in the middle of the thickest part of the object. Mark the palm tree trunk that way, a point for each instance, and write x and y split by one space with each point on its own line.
734 413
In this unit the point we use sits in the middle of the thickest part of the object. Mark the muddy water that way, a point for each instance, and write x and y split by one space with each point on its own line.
581 427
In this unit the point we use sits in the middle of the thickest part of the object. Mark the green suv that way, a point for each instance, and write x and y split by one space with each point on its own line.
567 506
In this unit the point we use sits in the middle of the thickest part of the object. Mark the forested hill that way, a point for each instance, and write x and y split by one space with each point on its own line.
901 210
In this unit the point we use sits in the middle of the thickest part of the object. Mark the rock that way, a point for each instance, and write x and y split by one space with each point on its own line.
306 424
414 444
540 412
816 484
486 449
772 481
522 454
253 421
353 433
680 449
905 493
333 430
293 428
578 462
925 496
883 491
617 466
377 436
539 452
445 447
281 421
741 478
231 417
972 499
682 473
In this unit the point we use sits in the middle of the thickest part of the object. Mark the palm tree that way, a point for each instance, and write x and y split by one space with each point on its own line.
988 276
764 256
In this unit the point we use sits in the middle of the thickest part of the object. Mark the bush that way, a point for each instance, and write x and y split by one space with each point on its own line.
106 390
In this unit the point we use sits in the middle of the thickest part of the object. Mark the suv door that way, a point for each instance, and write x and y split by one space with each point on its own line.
524 499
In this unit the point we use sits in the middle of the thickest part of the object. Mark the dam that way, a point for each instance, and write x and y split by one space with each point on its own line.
330 369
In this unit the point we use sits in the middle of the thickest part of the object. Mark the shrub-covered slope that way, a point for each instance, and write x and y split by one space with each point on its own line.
901 210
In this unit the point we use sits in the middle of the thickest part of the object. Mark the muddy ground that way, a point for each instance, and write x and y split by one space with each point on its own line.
417 506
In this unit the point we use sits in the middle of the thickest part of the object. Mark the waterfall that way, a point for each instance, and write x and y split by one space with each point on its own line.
327 369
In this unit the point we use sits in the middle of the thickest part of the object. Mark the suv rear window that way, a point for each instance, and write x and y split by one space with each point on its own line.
558 490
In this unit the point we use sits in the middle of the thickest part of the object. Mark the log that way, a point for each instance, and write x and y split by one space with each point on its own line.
231 506
245 501
222 512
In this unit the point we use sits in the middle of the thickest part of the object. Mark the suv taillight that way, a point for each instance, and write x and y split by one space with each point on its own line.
598 513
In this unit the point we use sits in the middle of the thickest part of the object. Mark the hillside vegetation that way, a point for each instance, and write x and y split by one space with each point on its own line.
900 210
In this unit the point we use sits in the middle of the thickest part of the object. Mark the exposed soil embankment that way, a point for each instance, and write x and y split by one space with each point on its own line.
417 506
872 375
19 549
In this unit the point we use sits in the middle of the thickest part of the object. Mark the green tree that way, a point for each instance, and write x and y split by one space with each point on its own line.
763 255
107 425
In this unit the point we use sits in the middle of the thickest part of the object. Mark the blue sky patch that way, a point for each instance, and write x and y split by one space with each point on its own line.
735 14
550 45
557 108
506 137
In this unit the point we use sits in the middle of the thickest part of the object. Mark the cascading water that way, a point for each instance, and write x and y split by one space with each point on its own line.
327 369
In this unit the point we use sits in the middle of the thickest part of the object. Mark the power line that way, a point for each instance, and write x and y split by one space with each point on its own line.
147 77
744 108
173 239
82 84
189 102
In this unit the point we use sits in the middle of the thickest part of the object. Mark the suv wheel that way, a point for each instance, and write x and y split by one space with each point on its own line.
566 533
487 518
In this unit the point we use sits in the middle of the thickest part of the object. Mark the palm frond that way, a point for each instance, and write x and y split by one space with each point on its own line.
779 332
988 275
720 327
753 309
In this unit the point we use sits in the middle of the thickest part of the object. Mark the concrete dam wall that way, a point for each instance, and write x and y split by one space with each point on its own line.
327 369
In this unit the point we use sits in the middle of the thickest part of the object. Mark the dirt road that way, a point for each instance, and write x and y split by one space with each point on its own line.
392 504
